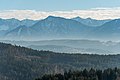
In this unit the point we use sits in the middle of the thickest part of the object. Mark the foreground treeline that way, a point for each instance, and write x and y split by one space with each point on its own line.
92 74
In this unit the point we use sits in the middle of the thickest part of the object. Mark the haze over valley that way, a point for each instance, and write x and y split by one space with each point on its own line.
58 34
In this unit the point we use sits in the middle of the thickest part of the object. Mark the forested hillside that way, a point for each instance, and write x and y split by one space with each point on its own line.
20 63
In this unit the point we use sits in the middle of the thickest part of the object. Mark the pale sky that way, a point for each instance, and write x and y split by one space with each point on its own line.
56 5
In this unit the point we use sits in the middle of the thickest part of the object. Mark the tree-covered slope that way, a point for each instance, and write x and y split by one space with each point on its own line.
20 63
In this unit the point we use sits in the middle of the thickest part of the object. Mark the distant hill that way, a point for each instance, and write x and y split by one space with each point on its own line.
20 63
72 46
67 49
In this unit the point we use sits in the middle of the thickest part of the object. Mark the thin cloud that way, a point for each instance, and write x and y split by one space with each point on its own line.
95 13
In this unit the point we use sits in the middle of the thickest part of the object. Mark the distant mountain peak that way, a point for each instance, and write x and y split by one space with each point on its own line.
51 17
117 20
78 17
90 18
54 17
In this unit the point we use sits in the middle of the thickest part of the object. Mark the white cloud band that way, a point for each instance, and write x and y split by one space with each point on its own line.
96 13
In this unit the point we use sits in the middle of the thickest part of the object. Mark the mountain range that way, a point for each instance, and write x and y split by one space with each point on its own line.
60 28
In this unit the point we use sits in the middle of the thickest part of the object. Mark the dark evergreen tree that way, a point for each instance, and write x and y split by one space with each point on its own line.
92 74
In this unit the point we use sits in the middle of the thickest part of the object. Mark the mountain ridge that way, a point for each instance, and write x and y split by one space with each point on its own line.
90 21
56 27
61 28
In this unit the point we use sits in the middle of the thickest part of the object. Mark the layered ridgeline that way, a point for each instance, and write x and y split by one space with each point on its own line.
57 28
72 46
20 63
90 21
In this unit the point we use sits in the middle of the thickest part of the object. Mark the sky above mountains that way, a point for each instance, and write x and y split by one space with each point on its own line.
39 9
56 5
